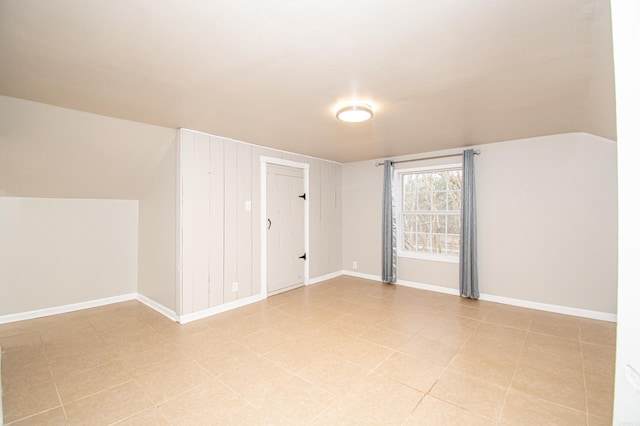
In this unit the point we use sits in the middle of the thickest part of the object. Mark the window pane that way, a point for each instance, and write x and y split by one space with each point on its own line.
455 200
439 242
440 201
410 223
453 243
406 237
424 223
453 224
424 200
439 181
409 241
409 201
424 242
439 224
431 202
423 181
408 183
455 180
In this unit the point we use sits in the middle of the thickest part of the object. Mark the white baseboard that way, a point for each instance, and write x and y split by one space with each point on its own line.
405 283
65 308
361 275
429 287
567 310
157 307
183 319
326 277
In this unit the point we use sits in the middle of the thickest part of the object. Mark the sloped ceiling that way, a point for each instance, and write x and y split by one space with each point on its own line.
440 74
54 152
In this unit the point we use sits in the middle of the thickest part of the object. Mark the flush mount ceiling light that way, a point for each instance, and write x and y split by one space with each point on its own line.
354 113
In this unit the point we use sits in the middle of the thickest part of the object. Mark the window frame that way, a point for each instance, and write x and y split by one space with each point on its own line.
399 190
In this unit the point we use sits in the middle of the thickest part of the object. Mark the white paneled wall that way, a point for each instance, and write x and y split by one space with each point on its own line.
220 219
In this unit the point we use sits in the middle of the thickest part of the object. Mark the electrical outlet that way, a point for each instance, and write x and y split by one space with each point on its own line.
234 287
354 265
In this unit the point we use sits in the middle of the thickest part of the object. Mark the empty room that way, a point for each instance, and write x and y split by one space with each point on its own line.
319 213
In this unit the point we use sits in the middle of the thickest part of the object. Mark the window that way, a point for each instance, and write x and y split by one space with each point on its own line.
429 215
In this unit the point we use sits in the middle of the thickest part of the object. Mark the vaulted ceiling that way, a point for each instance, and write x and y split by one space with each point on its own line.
439 74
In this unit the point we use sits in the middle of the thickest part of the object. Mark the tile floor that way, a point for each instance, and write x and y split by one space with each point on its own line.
346 351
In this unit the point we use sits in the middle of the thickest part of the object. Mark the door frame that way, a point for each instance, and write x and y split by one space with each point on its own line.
264 161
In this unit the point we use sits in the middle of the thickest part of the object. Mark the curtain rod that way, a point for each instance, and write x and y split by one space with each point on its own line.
476 152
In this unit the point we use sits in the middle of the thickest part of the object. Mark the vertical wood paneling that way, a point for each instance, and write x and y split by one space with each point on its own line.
187 226
216 221
327 221
316 249
335 253
200 218
230 220
244 229
221 240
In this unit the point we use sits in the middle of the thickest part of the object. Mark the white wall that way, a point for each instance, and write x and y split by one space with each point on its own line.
55 252
157 234
221 240
547 222
626 37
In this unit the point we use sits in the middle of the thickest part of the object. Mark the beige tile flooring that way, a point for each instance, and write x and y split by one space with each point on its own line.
346 351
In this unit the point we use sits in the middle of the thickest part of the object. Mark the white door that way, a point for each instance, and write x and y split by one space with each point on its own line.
285 228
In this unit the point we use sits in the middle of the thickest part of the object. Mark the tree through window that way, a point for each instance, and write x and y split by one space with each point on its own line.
431 201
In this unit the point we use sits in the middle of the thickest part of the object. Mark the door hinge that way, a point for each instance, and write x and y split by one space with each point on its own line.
304 256
303 196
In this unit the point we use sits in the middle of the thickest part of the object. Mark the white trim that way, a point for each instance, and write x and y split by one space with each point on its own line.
219 309
361 275
399 189
157 307
326 277
585 313
65 308
264 160
567 310
263 228
404 283
428 256
429 287
307 223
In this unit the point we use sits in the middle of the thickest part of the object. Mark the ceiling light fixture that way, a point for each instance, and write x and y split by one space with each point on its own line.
354 113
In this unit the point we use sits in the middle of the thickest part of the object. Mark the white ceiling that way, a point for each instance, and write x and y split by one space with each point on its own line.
440 74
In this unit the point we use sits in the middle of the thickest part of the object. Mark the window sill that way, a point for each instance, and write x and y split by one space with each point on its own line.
428 256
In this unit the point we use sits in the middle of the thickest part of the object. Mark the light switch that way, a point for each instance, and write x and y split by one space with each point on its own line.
247 206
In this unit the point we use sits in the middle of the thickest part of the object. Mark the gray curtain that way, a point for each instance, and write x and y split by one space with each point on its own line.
388 227
468 251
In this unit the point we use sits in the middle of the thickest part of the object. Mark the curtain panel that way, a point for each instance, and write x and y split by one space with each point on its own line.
468 244
389 251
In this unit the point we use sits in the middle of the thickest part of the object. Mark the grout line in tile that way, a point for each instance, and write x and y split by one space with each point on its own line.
21 419
463 408
513 375
387 296
584 382
96 393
